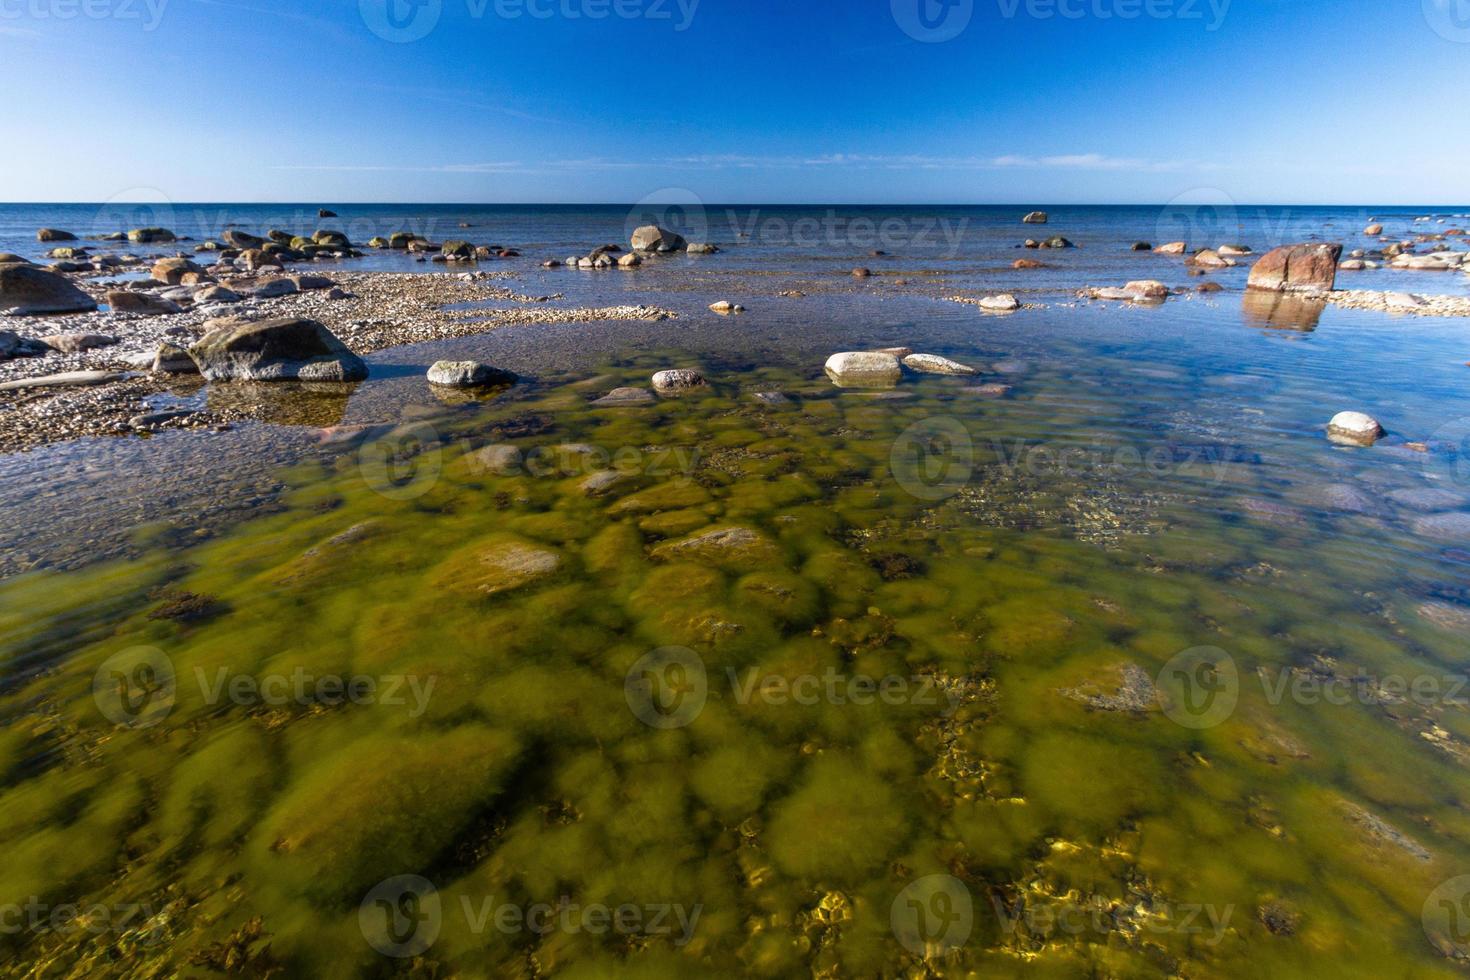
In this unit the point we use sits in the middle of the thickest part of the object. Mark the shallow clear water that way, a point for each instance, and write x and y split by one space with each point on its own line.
1128 672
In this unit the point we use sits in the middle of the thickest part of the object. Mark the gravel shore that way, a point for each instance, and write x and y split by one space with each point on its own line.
380 310
1396 302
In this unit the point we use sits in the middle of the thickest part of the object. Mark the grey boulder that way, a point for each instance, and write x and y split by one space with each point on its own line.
280 349
136 301
652 238
468 374
27 291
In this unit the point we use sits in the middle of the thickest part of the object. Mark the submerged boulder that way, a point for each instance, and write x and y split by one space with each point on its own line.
626 397
1307 268
143 236
501 564
1035 218
677 379
934 364
282 349
739 548
54 235
26 290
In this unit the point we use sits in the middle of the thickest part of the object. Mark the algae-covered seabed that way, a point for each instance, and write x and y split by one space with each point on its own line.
1079 823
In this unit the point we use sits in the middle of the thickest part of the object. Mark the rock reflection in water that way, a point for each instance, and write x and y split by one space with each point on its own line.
1278 311
319 404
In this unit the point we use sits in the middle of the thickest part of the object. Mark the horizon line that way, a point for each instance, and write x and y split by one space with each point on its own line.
318 203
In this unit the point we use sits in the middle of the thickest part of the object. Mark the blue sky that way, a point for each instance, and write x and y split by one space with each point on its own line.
964 101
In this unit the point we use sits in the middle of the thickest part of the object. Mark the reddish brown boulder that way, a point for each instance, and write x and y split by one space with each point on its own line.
1310 268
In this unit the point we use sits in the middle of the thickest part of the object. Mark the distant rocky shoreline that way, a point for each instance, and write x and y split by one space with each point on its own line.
82 352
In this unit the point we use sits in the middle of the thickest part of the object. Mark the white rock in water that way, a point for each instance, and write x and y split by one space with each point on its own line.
934 364
864 369
1354 428
468 374
1004 303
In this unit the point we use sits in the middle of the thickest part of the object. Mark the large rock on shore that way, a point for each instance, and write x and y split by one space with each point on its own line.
26 290
172 271
76 343
136 301
652 238
1308 268
282 349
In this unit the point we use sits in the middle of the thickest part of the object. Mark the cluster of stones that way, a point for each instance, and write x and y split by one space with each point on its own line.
450 251
884 368
647 241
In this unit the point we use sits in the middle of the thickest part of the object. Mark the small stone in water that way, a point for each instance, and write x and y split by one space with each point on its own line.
1354 428
468 374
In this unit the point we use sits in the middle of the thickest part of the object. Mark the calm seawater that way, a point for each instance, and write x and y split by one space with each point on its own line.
943 234
1124 672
